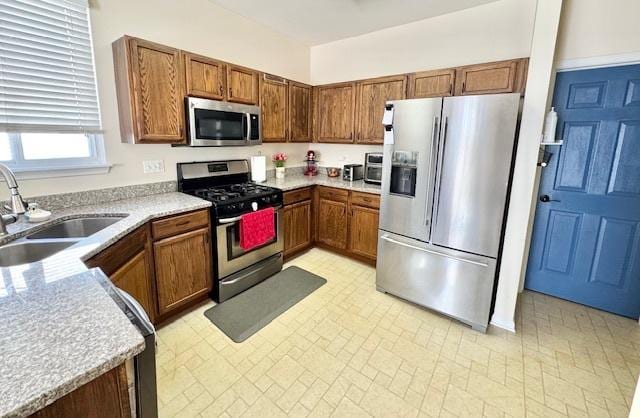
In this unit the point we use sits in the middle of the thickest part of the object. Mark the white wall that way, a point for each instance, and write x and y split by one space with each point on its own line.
534 109
592 28
195 25
491 32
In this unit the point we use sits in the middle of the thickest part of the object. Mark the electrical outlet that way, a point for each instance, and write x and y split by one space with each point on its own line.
153 166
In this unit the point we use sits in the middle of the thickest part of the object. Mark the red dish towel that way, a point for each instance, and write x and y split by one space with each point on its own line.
257 228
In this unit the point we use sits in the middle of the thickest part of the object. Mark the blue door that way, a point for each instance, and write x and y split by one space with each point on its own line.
586 237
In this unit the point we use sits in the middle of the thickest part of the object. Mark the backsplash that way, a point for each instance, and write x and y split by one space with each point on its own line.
90 197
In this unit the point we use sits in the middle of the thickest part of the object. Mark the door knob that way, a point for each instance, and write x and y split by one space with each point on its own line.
545 198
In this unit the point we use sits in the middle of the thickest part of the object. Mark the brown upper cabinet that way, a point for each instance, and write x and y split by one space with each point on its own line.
335 112
150 91
273 102
437 83
496 77
371 97
300 109
242 85
152 81
205 77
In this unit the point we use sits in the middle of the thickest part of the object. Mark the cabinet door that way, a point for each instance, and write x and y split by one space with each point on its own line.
372 95
158 90
297 226
332 223
363 236
242 85
205 77
299 112
105 396
336 112
135 278
436 83
183 268
497 77
273 102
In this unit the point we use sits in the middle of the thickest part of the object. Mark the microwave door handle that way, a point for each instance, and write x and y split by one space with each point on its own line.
247 118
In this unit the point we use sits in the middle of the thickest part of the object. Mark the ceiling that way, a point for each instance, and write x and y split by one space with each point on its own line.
315 22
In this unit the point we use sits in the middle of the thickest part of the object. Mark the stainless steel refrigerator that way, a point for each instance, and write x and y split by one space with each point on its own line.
447 164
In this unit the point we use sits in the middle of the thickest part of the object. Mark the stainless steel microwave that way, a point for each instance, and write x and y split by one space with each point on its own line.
214 123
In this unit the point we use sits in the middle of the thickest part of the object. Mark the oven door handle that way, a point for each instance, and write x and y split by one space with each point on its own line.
229 220
237 218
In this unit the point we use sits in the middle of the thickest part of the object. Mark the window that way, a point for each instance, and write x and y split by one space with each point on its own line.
49 113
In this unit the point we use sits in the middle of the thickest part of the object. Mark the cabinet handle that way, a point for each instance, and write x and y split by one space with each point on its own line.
463 87
221 90
450 89
183 223
230 92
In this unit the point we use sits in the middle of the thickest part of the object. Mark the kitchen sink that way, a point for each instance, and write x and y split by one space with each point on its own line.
75 228
23 252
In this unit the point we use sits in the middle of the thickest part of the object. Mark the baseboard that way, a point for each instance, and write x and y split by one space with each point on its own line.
506 325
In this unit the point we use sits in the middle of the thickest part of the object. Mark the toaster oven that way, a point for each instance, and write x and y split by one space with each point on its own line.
373 168
352 172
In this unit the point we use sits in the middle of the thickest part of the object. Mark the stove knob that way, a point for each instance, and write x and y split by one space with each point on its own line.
254 206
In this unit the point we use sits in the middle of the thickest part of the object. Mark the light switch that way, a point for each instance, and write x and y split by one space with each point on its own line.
153 166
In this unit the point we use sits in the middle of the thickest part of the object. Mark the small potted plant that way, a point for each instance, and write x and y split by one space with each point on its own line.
279 159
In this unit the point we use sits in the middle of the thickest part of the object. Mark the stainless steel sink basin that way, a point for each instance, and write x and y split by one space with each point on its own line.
22 252
75 228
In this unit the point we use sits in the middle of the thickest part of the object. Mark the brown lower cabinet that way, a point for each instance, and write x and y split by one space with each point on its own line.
183 268
105 396
297 227
165 265
334 219
332 223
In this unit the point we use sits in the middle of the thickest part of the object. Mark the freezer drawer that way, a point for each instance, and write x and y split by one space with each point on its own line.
457 284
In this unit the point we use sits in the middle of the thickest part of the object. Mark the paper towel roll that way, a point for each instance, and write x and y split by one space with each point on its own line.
259 168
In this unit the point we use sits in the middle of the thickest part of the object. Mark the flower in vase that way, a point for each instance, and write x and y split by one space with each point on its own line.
279 159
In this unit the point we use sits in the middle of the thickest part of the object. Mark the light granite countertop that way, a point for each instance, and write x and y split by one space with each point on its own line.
59 327
299 181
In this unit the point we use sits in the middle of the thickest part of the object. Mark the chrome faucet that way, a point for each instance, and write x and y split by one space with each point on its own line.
17 204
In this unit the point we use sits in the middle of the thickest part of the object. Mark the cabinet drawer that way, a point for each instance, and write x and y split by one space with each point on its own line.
365 199
329 193
297 195
179 224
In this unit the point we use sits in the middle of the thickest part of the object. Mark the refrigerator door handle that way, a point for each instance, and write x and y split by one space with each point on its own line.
439 168
404 244
434 149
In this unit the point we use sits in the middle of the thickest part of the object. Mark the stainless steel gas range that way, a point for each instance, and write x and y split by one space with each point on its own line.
226 185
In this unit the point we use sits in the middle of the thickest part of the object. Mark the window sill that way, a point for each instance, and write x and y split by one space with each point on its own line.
50 172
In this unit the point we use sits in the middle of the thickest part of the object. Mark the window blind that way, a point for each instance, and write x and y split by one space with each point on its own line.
47 75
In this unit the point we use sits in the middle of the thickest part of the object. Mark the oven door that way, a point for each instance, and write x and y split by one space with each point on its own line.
213 123
232 258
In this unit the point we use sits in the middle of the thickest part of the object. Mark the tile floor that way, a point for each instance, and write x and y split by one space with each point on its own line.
348 351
